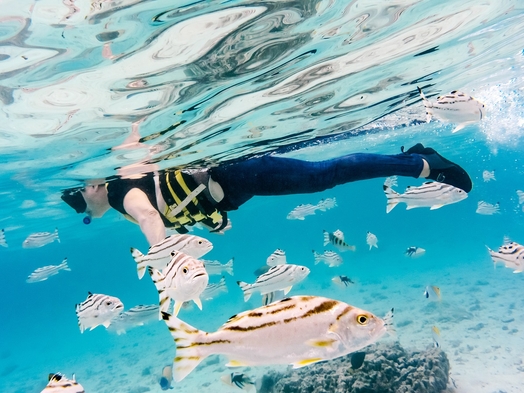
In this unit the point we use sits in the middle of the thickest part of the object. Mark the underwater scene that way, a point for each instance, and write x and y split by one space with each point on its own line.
261 196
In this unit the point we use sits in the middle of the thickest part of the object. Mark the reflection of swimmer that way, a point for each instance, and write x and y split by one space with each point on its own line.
181 198
166 378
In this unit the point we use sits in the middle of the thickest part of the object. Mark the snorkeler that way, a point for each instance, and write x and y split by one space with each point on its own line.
181 198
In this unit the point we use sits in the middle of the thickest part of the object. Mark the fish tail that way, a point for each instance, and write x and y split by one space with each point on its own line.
190 343
316 255
246 288
140 264
164 300
64 265
229 266
56 234
392 197
326 238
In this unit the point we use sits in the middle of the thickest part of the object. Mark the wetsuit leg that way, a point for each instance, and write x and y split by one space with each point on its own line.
270 175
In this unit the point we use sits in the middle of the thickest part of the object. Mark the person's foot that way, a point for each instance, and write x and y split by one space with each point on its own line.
441 169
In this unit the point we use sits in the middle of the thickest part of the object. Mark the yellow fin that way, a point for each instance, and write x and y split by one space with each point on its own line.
306 362
322 343
286 290
236 363
176 307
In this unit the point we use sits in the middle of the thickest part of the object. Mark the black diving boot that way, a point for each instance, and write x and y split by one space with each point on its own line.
441 169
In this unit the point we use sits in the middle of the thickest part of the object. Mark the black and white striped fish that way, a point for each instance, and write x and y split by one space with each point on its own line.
280 277
58 383
135 316
214 289
487 209
278 257
302 211
299 330
40 239
183 279
159 255
330 258
216 268
337 239
43 273
97 310
3 242
430 194
455 107
511 255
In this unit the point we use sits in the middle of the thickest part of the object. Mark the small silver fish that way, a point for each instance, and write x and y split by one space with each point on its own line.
455 107
40 239
3 242
215 268
58 383
487 209
435 333
183 279
280 277
327 204
511 255
159 255
414 252
239 380
391 181
43 273
301 212
488 175
214 289
431 194
342 281
337 239
135 316
278 257
300 330
371 240
330 258
97 310
432 293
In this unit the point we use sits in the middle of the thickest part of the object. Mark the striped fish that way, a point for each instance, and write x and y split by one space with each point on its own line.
337 239
40 239
3 242
330 258
43 273
371 240
97 310
455 107
58 383
159 255
487 209
430 194
278 257
183 279
216 268
300 330
135 316
213 290
511 255
488 175
280 277
302 211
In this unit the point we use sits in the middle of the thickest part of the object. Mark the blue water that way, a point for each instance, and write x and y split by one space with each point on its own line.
208 81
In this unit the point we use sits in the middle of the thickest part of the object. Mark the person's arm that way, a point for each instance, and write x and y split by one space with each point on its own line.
137 205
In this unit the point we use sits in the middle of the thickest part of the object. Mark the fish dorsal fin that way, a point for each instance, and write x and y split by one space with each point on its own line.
89 294
338 233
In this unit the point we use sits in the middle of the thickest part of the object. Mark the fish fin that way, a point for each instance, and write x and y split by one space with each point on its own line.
434 207
392 198
352 248
409 207
140 265
229 266
121 331
458 128
176 308
190 344
198 302
321 343
388 322
236 363
306 362
246 288
286 290
517 271
106 324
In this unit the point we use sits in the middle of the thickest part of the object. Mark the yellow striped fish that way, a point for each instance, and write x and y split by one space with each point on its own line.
299 330
58 383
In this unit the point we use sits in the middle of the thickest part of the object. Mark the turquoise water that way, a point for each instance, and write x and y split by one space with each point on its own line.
208 81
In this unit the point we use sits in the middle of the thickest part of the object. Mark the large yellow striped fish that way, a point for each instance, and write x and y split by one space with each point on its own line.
299 330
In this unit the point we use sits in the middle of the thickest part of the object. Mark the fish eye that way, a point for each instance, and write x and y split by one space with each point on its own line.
362 319
185 270
109 303
200 242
